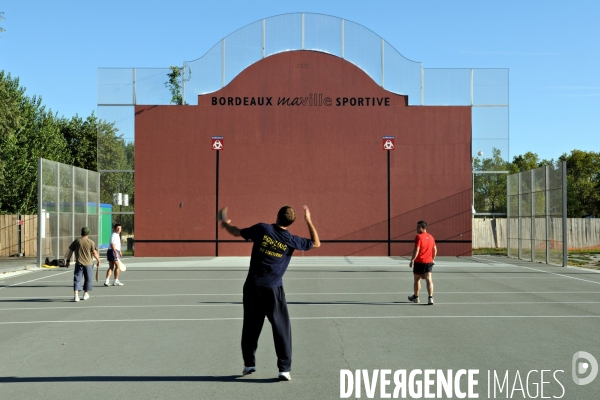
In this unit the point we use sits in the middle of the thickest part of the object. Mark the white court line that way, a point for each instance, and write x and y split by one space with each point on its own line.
296 305
299 318
462 293
553 273
33 280
438 278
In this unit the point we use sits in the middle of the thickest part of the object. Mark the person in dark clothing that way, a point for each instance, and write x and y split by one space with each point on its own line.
263 290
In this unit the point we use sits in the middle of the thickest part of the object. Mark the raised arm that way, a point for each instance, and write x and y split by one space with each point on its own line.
234 230
314 236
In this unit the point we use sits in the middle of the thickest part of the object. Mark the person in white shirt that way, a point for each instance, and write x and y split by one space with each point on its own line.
113 255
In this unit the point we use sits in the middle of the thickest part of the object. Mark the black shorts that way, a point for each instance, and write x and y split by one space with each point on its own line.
422 268
110 255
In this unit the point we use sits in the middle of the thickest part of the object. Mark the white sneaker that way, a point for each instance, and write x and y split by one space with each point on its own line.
248 370
117 283
86 296
285 376
107 283
430 301
76 297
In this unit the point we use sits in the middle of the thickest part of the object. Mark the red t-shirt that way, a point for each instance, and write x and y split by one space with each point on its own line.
425 242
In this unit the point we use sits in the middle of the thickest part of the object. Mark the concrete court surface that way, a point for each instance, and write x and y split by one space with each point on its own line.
173 331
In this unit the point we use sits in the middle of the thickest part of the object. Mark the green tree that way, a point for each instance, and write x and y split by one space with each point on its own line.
175 83
583 183
490 188
1 19
28 132
528 161
11 97
82 140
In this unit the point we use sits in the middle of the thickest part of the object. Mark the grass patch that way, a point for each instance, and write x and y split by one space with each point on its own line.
582 257
127 253
489 251
584 252
576 263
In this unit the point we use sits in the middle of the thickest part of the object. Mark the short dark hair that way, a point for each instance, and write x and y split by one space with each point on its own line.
115 226
286 216
422 224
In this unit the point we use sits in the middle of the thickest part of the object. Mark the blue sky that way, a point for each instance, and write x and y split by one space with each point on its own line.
552 49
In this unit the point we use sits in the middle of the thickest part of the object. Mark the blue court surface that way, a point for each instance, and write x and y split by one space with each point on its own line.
499 328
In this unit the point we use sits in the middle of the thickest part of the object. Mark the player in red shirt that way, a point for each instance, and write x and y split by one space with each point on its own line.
423 259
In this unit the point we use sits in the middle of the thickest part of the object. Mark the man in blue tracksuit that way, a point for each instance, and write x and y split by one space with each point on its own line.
263 291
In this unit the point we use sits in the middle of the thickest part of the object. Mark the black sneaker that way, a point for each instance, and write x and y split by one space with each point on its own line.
413 298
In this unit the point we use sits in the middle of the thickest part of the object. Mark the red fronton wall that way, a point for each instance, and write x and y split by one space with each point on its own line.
329 157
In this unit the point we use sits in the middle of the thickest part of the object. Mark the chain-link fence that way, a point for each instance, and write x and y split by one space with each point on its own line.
537 213
68 200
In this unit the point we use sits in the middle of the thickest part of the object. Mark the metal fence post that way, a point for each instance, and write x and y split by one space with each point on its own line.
519 222
532 177
508 179
57 248
41 213
223 63
564 212
547 216
72 203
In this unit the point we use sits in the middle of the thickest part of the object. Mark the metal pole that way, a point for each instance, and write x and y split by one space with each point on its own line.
564 212
389 206
73 203
98 206
519 221
41 214
57 247
508 215
472 188
422 86
547 202
302 31
86 201
183 84
342 38
471 87
217 207
263 38
532 200
223 63
19 252
382 63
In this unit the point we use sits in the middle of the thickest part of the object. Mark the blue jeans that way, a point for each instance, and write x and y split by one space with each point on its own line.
83 271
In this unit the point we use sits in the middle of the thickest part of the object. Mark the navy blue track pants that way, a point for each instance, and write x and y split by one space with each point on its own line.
261 302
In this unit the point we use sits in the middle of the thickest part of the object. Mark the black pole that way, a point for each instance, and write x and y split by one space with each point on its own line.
19 222
389 206
217 208
121 208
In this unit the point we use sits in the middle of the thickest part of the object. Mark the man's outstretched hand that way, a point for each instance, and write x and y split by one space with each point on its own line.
306 213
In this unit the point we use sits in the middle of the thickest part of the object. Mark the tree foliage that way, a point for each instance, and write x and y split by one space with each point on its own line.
490 188
1 19
583 183
175 83
28 131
